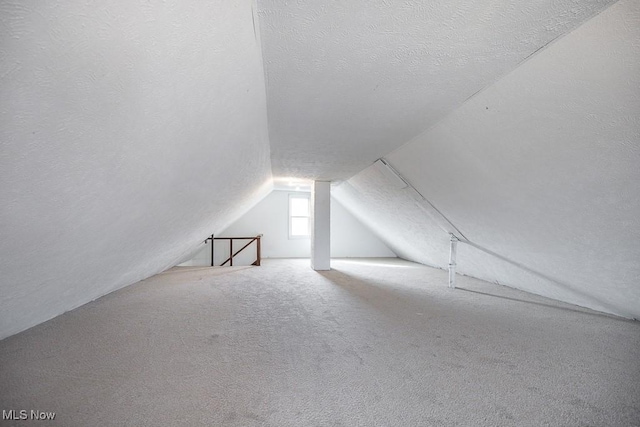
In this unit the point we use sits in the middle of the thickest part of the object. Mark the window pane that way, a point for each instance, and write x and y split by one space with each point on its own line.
299 226
299 207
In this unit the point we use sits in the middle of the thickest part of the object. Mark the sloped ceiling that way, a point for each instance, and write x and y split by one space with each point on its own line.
540 172
129 131
349 81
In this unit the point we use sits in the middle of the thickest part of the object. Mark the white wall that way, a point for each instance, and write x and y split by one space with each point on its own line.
349 238
541 168
128 132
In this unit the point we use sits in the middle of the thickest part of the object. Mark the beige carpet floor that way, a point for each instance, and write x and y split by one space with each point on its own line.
379 342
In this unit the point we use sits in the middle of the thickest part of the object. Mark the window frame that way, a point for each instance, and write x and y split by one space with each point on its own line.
291 216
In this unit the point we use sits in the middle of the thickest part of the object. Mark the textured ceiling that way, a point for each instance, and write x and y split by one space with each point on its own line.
129 131
348 82
539 172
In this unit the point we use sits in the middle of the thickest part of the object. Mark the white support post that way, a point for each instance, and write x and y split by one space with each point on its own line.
452 261
321 226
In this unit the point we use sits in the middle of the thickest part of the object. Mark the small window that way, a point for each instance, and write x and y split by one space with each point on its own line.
299 211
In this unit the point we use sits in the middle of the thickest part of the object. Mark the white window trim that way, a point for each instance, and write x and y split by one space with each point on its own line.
299 196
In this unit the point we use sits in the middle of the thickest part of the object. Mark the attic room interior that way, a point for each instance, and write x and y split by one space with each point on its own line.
446 195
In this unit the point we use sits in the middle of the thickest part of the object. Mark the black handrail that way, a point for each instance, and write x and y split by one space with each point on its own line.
231 253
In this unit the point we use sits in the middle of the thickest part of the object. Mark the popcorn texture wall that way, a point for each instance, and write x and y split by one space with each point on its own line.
540 168
350 81
128 132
